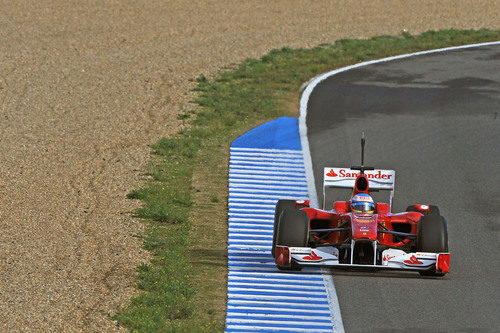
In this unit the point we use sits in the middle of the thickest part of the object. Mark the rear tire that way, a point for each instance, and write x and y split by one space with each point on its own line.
432 236
280 206
433 210
293 231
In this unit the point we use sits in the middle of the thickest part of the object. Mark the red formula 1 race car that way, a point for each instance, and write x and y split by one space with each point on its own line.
360 233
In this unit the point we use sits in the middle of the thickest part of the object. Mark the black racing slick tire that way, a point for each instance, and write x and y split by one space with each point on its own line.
293 231
280 206
432 236
433 210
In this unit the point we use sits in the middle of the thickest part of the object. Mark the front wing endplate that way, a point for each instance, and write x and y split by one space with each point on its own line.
391 259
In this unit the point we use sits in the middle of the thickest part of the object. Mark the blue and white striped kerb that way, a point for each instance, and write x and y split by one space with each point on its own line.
267 164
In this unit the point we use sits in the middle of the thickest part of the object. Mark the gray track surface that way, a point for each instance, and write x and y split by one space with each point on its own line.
433 119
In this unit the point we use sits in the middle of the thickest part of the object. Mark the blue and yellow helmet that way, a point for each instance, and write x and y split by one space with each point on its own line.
362 203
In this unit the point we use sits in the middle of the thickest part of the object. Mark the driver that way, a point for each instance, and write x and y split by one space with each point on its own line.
362 203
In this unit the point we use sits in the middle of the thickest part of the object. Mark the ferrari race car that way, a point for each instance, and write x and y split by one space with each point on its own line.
360 233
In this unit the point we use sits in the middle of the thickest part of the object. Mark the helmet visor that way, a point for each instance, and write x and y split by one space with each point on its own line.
363 207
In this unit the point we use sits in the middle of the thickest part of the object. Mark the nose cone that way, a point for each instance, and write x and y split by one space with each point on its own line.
364 226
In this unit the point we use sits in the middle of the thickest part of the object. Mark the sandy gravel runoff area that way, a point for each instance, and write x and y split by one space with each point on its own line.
86 86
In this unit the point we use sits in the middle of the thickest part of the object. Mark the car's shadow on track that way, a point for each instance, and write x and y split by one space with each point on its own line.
208 257
384 274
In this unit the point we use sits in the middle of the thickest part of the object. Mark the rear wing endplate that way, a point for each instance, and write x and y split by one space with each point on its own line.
378 179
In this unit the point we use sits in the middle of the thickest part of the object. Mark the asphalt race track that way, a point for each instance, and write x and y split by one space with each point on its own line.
434 119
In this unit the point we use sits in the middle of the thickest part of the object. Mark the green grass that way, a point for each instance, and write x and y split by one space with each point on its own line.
177 287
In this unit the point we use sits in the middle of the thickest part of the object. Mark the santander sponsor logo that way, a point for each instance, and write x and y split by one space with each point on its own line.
387 257
313 256
343 173
413 261
331 173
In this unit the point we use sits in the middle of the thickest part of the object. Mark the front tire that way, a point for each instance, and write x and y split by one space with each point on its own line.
281 205
293 231
432 236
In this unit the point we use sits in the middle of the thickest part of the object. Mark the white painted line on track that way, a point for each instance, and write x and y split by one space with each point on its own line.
281 305
263 171
270 285
250 241
249 247
275 297
271 321
252 214
278 151
274 309
256 226
277 197
258 230
267 155
234 236
338 325
235 219
270 318
273 329
237 276
288 165
245 210
267 177
263 180
271 206
253 178
236 222
236 258
297 160
266 168
253 192
237 201
297 276
268 188
273 290
263 268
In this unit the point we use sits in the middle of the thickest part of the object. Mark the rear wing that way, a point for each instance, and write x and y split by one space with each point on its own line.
378 179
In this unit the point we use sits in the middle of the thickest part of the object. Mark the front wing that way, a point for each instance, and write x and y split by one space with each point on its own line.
391 259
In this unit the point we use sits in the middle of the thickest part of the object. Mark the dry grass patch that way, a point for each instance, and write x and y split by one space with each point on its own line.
208 249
